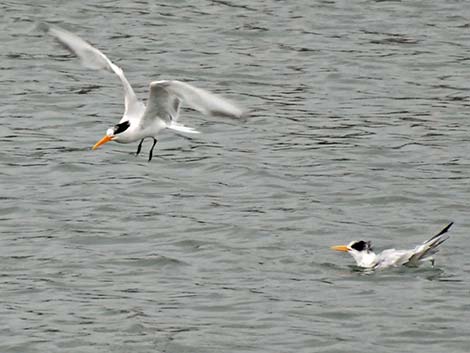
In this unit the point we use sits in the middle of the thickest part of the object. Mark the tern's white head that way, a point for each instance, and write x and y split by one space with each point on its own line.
115 133
361 251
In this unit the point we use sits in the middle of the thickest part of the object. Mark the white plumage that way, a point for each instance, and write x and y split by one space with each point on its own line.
365 257
165 97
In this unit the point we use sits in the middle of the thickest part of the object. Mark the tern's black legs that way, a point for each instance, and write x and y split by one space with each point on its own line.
139 147
151 150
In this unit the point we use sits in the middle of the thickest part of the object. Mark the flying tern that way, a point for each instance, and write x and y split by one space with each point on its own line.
139 121
365 257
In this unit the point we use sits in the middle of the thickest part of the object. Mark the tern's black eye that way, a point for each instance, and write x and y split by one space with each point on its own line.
121 127
360 245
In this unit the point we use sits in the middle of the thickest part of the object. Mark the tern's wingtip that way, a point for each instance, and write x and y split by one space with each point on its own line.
245 114
443 231
446 228
43 27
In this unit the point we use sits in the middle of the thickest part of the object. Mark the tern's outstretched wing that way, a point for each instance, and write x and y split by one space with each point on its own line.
96 60
166 96
429 247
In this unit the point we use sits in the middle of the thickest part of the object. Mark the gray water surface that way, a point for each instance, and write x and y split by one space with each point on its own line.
359 130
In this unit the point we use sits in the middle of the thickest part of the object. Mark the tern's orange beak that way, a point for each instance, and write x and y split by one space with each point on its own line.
340 248
101 142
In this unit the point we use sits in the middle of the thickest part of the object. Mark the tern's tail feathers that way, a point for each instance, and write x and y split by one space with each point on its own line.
429 247
182 128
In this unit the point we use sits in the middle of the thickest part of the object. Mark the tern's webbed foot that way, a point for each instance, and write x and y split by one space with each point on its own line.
151 150
139 147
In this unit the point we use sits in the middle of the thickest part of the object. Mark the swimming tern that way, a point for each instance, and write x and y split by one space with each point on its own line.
139 121
365 257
